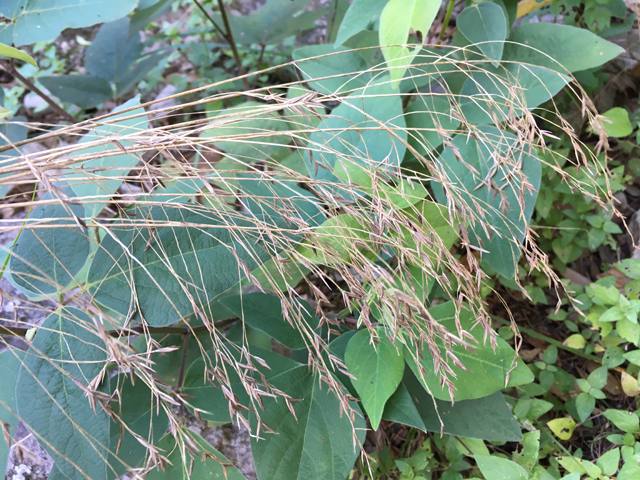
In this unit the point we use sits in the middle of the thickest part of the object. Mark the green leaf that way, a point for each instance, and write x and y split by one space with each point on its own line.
629 471
165 295
145 14
94 181
508 220
7 51
347 68
10 362
319 444
112 52
209 397
137 409
609 461
137 72
397 18
33 21
633 357
279 198
357 130
65 351
488 98
428 119
269 314
562 427
558 47
585 404
485 24
626 421
377 369
273 22
486 369
362 15
598 378
496 468
628 330
486 418
528 456
616 122
85 91
45 260
264 129
207 462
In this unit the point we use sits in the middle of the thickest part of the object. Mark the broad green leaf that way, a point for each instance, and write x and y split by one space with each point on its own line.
136 408
629 471
45 260
485 25
137 72
626 421
56 410
562 427
337 348
397 18
273 22
402 195
507 211
250 132
486 418
496 468
85 91
206 392
358 130
609 461
33 21
112 52
269 314
203 462
558 47
279 198
428 118
488 96
166 366
486 369
7 51
528 455
146 14
176 272
316 443
633 357
362 15
94 181
10 362
14 131
347 68
616 122
338 239
585 404
377 368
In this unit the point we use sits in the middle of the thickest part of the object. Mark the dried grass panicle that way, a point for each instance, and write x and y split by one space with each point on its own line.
173 149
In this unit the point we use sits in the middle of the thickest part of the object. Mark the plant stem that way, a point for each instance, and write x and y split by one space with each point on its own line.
552 341
21 332
183 360
332 22
232 43
227 34
447 17
30 86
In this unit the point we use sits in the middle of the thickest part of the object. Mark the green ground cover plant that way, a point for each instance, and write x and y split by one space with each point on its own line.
317 240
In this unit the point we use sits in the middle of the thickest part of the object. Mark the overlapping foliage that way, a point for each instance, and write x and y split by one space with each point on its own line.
349 217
